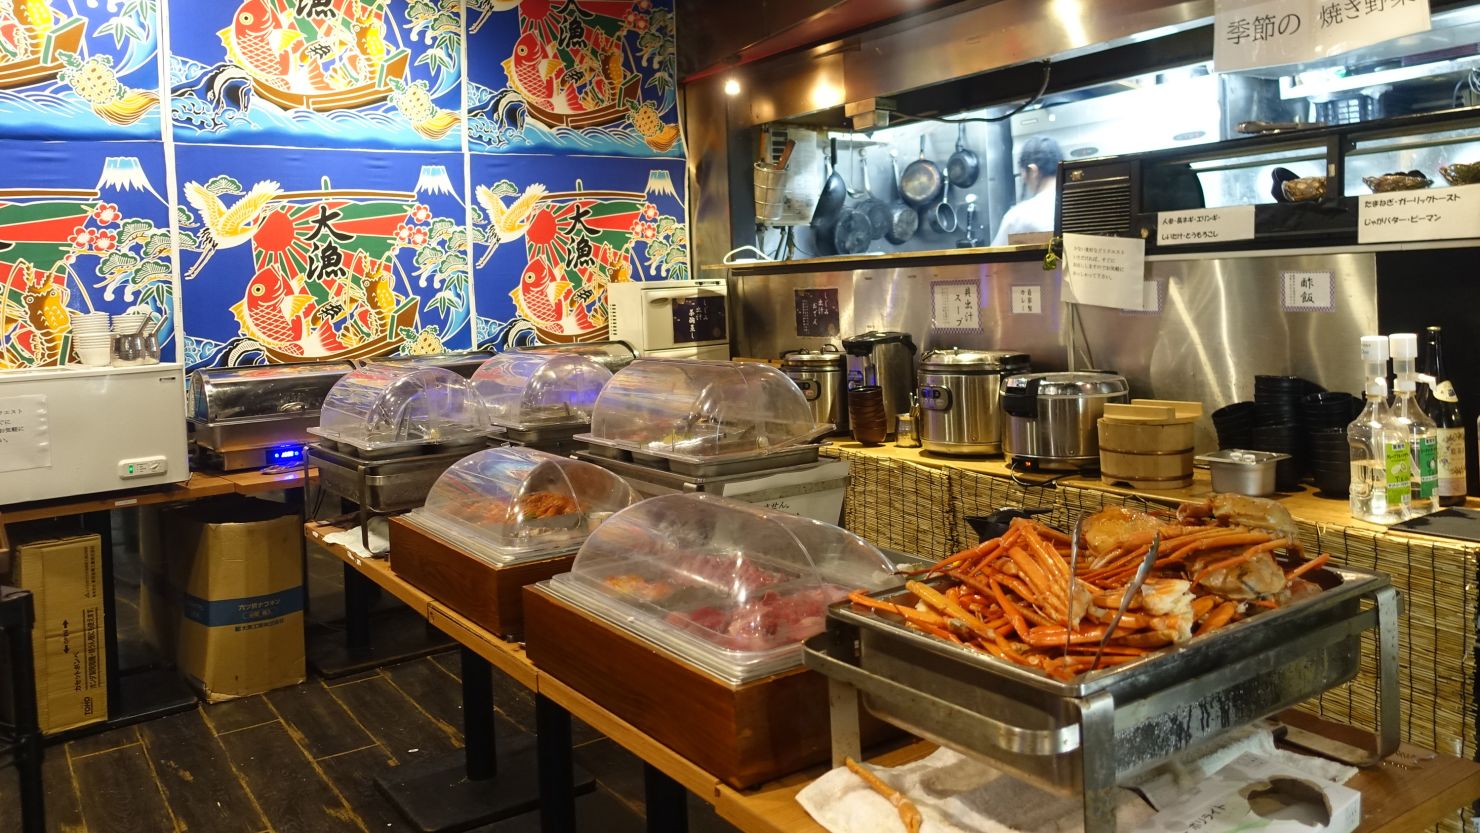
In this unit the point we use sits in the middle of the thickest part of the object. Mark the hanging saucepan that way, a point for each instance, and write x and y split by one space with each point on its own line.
921 181
943 216
878 213
853 233
830 203
963 168
903 220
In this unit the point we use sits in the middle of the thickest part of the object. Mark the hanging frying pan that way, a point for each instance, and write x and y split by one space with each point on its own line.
853 233
943 216
903 220
921 181
963 168
829 206
877 212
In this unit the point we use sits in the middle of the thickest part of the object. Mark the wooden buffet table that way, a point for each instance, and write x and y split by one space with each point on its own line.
1410 792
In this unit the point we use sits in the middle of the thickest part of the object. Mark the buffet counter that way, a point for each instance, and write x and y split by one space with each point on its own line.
1414 790
917 502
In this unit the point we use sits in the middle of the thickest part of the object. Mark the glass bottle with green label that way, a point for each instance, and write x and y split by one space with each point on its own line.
1423 435
1381 488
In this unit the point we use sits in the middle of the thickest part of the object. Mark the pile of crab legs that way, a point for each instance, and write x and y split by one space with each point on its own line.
1128 583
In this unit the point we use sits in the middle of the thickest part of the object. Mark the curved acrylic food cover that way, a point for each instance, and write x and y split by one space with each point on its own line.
702 410
507 505
533 390
731 587
385 406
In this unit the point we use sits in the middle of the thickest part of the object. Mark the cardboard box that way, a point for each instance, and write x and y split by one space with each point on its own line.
1255 793
224 590
63 571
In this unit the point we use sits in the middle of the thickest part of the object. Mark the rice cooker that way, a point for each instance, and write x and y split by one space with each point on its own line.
1051 419
959 396
822 376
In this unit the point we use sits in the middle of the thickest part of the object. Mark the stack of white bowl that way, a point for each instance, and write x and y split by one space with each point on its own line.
129 323
92 338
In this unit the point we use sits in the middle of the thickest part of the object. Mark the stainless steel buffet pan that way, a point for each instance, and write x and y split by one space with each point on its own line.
1115 723
378 485
720 466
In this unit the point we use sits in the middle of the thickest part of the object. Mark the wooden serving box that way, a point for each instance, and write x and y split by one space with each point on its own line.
486 594
744 735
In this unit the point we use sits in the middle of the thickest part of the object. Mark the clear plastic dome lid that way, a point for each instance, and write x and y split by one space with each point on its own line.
732 587
536 390
382 407
507 505
702 410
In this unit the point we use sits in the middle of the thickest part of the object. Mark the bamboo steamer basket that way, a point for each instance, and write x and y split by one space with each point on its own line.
1148 444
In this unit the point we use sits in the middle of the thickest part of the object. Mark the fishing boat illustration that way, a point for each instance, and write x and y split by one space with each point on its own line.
319 56
37 55
570 66
37 232
325 277
577 243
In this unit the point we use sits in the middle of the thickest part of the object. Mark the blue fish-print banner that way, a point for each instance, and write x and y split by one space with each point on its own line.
595 77
84 227
550 233
292 255
79 70
318 73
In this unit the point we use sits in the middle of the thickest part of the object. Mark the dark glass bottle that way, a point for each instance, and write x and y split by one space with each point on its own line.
1441 403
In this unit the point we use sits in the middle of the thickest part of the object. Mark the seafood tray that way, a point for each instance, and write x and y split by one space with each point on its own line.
722 465
1084 735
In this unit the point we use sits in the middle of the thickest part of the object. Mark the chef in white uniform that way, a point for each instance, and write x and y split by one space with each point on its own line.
1038 165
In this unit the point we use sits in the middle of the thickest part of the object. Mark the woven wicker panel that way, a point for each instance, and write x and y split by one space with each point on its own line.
897 505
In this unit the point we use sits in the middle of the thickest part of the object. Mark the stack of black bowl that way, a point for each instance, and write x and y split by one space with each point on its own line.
1326 416
1235 425
1279 425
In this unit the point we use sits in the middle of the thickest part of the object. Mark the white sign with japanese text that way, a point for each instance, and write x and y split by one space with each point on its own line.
1249 34
1307 291
1430 214
25 440
955 306
1027 299
1205 225
1104 271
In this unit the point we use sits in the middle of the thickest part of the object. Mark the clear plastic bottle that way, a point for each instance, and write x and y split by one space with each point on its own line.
1381 491
1423 434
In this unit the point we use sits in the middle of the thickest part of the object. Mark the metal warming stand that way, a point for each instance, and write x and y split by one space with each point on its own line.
1086 736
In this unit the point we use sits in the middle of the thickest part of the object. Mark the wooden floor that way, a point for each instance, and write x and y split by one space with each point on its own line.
304 759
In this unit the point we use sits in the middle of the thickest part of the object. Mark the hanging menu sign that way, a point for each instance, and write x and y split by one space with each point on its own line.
25 438
1437 214
1249 34
817 313
1205 225
1105 271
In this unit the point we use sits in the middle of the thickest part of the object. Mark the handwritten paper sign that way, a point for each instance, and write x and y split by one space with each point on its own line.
1307 291
1104 271
25 439
1205 225
1027 299
1430 214
956 306
817 313
1248 34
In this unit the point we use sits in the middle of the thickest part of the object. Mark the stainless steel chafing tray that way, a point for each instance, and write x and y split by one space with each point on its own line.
722 465
238 413
382 486
612 355
463 364
1084 736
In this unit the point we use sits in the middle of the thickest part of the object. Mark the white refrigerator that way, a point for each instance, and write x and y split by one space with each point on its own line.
80 430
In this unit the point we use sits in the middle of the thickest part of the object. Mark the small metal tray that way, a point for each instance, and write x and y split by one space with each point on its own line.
719 466
1083 736
381 485
467 443
673 480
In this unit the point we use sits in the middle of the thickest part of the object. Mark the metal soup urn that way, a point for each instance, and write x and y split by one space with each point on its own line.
822 375
960 411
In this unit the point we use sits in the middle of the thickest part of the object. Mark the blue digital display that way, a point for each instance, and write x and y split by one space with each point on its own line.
285 455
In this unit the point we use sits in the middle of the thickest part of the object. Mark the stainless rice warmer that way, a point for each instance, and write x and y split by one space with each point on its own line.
822 375
959 396
1051 418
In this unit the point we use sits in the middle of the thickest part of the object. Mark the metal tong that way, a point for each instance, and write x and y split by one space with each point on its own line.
1130 592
